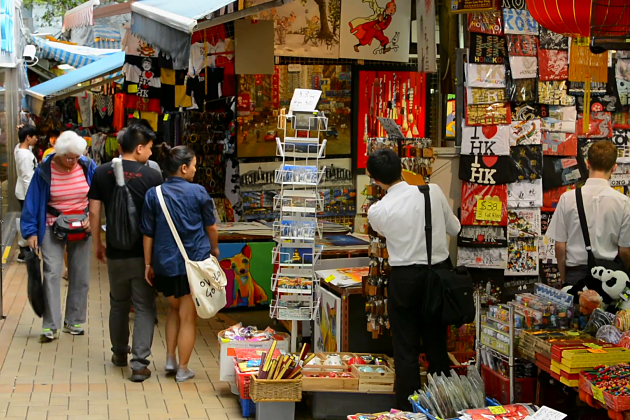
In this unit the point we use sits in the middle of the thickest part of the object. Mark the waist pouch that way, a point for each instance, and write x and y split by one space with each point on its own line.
69 227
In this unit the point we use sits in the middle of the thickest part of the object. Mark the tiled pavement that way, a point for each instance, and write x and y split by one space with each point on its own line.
73 378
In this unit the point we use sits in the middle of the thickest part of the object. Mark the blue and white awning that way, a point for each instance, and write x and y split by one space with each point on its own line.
73 55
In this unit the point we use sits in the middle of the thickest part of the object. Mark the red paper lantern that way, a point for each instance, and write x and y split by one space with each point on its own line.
567 17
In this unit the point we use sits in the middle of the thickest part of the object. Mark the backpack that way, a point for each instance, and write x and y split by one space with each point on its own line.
123 231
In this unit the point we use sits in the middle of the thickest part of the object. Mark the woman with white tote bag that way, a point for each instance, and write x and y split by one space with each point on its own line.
179 245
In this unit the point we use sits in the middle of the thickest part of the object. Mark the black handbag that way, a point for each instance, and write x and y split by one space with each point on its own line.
452 297
35 288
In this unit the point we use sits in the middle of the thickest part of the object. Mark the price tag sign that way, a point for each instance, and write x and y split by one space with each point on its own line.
329 278
598 394
132 88
489 210
497 410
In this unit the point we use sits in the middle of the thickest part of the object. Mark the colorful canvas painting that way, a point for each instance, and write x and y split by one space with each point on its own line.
260 97
304 28
375 30
328 323
248 268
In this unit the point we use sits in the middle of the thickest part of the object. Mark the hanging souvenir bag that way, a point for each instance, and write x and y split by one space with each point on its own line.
206 278
452 297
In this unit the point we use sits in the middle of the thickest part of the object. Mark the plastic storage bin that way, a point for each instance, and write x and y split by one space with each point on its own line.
498 387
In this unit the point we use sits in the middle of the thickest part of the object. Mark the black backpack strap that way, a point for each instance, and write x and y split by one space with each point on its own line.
428 228
584 225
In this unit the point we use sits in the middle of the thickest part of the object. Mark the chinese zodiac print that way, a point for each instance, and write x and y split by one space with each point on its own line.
375 29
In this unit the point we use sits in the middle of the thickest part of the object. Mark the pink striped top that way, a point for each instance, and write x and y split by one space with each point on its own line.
68 192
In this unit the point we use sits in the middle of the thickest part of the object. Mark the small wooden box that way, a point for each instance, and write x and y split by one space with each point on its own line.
310 382
343 367
373 381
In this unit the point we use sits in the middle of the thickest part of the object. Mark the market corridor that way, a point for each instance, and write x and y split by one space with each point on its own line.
73 377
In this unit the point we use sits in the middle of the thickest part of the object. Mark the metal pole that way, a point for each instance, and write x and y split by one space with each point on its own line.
511 359
460 55
478 329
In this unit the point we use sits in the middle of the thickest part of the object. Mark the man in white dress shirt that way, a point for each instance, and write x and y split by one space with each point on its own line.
399 217
607 214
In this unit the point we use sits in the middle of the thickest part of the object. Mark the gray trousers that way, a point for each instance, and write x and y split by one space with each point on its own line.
575 274
79 258
127 286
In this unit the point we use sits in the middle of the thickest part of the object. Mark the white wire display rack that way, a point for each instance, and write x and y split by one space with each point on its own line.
296 231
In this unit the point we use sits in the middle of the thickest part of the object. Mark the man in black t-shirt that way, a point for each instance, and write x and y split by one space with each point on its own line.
126 267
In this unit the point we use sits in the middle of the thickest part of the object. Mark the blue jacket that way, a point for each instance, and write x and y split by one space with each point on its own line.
33 220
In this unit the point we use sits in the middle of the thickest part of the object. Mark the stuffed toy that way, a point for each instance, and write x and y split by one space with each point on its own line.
596 283
614 283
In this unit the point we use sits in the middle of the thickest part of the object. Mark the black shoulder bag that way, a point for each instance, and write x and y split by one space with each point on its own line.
452 296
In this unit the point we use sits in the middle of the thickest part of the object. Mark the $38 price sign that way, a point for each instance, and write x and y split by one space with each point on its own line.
489 210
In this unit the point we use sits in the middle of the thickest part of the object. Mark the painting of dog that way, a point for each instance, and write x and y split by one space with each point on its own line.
246 291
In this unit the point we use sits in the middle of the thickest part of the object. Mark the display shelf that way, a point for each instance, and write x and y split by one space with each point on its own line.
294 308
297 229
299 201
299 285
301 176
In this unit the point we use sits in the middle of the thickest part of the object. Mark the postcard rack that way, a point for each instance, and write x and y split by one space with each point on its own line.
295 284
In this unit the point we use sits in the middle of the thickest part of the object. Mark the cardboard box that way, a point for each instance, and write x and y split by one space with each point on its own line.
227 347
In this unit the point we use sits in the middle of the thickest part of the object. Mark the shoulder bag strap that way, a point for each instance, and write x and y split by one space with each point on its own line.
180 245
587 240
428 228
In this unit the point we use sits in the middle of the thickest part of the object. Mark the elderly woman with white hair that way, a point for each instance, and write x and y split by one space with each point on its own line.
55 218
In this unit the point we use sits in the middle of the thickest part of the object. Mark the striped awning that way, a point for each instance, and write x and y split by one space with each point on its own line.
73 55
80 16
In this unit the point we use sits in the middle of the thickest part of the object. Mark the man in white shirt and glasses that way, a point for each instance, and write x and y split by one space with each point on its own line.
399 217
607 214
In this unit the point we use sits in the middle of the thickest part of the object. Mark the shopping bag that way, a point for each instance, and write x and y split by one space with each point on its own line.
123 231
35 286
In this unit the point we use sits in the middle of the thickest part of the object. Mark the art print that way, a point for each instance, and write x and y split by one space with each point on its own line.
494 114
305 28
524 223
522 258
600 126
485 75
528 161
487 140
559 144
550 40
523 67
482 257
553 65
375 30
487 49
327 331
525 194
551 196
554 93
485 95
482 237
522 45
525 132
486 22
471 193
488 170
259 98
519 21
248 272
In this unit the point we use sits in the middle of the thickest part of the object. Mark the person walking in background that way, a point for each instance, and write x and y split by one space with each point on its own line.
406 245
126 267
192 211
150 163
52 138
59 187
25 164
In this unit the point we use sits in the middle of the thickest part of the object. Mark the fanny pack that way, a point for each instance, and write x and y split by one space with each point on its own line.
69 227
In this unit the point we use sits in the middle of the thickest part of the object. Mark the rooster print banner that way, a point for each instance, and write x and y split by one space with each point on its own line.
488 140
398 95
471 193
375 30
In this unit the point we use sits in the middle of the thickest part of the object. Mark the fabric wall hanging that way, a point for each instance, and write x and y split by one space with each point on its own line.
472 193
487 170
484 96
486 22
487 140
487 49
560 171
550 40
492 114
528 161
523 67
553 64
482 258
559 144
522 45
519 21
525 132
522 257
525 194
599 127
482 237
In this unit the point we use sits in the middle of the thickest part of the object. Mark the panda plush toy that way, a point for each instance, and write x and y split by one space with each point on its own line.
592 282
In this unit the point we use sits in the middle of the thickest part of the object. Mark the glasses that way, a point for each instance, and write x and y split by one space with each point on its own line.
71 159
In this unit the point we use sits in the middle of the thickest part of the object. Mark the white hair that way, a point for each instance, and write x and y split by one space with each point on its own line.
70 142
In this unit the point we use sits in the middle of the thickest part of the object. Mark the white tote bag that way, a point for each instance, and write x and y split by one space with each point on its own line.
206 278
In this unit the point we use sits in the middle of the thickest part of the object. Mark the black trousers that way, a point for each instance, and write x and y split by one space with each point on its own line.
407 285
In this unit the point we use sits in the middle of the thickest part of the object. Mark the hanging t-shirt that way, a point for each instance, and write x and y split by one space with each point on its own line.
173 86
528 161
523 45
519 21
485 75
553 65
487 170
550 40
600 126
551 197
119 112
622 119
559 144
103 110
554 93
560 171
523 90
482 237
525 194
141 68
142 104
526 112
85 102
486 22
523 67
487 49
492 114
487 140
485 95
203 90
472 193
525 132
